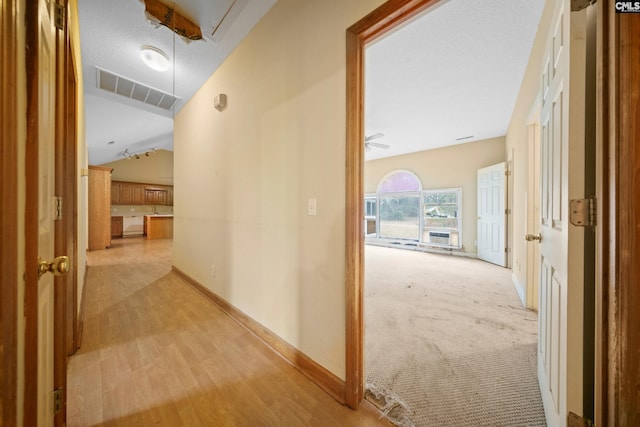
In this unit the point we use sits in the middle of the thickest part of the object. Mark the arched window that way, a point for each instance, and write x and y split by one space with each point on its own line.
399 206
401 210
399 181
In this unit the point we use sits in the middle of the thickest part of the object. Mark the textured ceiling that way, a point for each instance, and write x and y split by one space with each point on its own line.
111 34
454 72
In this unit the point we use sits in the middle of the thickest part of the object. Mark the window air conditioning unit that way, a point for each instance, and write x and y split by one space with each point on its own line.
440 237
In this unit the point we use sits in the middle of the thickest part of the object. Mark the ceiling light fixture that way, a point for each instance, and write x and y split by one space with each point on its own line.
137 154
154 58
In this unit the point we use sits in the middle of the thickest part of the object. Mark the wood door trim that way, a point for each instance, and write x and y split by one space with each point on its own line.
603 248
9 263
375 24
619 204
31 217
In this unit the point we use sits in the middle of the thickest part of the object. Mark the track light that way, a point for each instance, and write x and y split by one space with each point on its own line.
147 153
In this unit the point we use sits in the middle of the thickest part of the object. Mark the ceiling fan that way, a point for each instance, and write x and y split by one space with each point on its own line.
368 144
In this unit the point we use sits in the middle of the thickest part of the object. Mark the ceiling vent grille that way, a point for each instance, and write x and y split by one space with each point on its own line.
122 86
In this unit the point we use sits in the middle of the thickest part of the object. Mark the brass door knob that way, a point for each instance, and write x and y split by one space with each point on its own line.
533 237
58 267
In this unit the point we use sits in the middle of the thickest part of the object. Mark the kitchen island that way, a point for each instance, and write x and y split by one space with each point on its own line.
158 226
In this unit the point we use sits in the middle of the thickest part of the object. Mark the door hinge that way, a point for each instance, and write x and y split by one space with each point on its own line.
57 401
582 212
574 420
507 173
507 211
58 208
578 5
60 13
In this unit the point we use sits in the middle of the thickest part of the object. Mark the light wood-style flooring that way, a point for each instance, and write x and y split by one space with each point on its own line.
155 352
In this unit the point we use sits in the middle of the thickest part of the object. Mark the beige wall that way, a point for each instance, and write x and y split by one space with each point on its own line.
517 151
243 177
155 169
454 166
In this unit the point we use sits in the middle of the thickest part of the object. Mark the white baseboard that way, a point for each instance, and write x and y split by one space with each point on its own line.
520 289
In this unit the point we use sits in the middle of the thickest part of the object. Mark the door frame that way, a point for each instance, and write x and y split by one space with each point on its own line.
382 20
618 213
31 218
11 138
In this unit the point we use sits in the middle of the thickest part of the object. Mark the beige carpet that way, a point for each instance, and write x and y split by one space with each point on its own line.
447 342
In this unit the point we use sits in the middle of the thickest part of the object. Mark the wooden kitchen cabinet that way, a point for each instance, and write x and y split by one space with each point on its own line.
116 226
134 193
115 193
131 194
155 196
99 204
170 196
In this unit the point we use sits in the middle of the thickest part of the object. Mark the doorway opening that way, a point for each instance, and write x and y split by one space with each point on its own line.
372 206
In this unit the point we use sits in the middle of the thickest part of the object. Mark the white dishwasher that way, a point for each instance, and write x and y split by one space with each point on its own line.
133 225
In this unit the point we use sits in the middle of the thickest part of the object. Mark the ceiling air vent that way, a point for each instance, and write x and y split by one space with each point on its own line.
123 86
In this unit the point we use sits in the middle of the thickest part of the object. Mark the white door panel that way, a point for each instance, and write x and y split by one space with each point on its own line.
491 241
560 250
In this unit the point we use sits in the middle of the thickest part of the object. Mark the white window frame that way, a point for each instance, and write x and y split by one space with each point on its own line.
421 193
459 217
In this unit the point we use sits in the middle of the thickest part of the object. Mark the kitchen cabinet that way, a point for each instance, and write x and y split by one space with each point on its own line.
158 226
116 226
115 193
170 196
99 204
134 193
155 196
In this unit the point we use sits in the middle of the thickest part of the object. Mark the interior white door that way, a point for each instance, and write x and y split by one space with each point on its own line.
560 315
46 205
491 241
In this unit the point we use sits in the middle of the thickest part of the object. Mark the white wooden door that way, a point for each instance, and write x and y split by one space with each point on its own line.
46 205
560 343
491 241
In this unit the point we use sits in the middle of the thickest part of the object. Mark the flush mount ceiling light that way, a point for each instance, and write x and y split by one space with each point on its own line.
154 58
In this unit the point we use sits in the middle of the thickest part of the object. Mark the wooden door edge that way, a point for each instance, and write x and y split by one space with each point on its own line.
377 23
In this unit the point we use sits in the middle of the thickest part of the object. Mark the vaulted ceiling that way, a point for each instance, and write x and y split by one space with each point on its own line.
453 73
451 76
112 33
